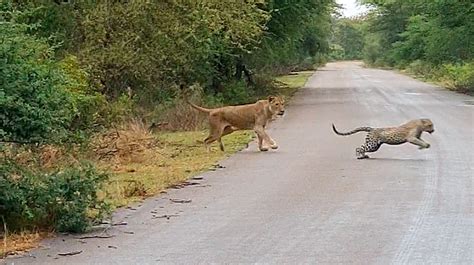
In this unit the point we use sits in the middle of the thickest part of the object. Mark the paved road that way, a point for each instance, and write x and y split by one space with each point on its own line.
311 201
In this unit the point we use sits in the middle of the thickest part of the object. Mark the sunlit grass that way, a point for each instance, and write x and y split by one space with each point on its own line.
178 156
291 83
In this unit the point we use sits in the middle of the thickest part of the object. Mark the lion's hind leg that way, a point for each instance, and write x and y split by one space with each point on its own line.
227 130
215 134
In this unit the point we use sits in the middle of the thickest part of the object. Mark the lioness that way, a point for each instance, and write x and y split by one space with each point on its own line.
225 120
407 132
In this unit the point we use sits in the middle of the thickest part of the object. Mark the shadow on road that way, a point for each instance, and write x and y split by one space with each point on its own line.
397 159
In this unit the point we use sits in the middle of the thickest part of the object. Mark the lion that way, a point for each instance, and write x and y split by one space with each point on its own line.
409 132
225 120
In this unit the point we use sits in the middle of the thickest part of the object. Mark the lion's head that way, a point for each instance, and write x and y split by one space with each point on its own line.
277 105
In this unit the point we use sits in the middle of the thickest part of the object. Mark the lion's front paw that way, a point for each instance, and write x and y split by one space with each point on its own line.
274 146
263 149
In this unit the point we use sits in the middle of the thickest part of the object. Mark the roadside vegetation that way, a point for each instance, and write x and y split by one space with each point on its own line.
433 40
347 39
92 114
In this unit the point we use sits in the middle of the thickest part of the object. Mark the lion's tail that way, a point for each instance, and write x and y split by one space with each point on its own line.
356 130
198 107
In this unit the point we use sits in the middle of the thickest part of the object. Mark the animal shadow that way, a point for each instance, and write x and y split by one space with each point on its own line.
397 159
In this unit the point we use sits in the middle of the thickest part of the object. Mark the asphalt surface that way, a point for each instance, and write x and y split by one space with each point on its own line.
311 201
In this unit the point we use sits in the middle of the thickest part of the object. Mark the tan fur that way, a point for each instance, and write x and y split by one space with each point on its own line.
225 120
408 132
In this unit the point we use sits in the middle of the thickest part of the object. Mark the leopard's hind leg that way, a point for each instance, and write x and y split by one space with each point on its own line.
371 145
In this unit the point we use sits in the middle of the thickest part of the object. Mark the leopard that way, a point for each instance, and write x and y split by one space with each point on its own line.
409 132
256 116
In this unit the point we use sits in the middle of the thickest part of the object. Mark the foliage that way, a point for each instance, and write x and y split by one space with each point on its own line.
347 39
459 76
296 30
43 100
436 32
433 38
89 106
456 76
151 47
34 106
66 200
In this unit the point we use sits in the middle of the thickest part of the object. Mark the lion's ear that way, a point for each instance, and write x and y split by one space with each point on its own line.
271 99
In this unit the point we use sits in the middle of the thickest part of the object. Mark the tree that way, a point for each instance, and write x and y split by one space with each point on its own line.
437 31
347 39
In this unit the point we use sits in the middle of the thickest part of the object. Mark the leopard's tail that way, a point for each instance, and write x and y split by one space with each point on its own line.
356 130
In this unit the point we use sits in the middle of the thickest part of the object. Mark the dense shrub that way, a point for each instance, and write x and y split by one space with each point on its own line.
421 68
456 76
459 76
34 105
90 107
66 200
42 99
433 39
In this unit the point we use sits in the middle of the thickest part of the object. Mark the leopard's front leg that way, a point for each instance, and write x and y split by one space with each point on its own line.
416 141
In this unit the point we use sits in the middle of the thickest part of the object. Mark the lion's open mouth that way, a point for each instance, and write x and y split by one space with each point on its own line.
281 113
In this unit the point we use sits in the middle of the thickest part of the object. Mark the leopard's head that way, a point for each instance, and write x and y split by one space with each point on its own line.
427 125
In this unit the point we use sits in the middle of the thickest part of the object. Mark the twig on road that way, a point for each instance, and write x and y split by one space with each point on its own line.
95 236
167 216
181 200
72 253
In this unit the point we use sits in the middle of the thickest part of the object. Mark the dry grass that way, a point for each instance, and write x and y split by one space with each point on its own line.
125 144
20 242
46 156
181 117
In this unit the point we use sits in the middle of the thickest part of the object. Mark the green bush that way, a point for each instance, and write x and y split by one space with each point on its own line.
65 200
459 76
421 68
456 76
336 52
34 105
89 106
237 92
43 100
